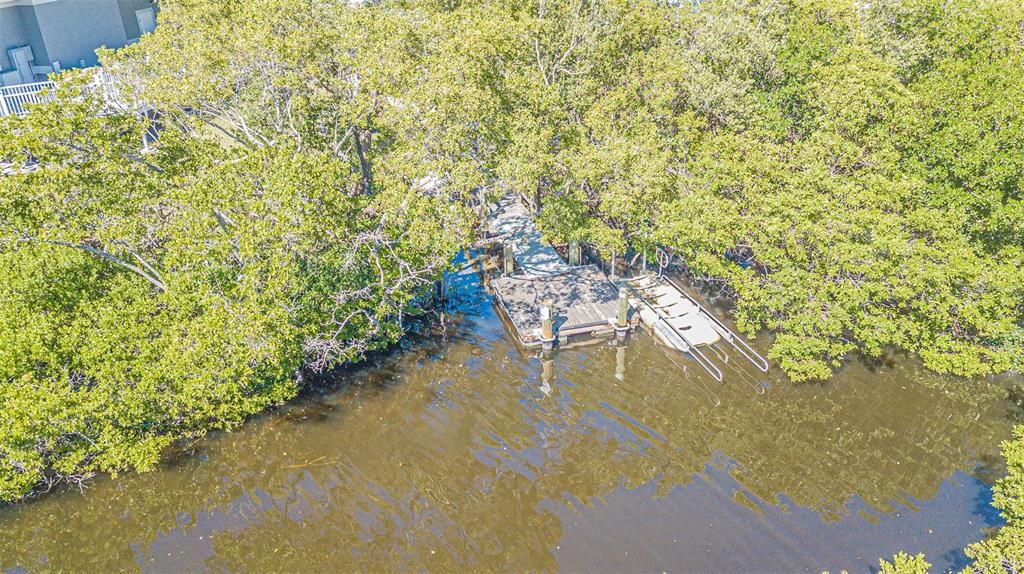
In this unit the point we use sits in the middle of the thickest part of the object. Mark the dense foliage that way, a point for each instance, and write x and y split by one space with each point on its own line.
904 563
850 170
147 297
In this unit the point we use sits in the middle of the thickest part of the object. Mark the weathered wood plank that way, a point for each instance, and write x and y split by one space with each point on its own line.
513 224
582 298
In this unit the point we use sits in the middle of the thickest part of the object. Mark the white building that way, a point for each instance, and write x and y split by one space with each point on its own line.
38 37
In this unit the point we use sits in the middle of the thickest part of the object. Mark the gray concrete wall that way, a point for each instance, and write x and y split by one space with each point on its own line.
12 34
131 23
18 27
73 29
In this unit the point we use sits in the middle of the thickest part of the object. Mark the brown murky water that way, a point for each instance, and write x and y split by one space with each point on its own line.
464 453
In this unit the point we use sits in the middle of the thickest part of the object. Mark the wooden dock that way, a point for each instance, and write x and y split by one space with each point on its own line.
547 300
583 301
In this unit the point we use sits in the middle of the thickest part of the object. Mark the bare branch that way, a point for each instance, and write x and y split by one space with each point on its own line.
104 255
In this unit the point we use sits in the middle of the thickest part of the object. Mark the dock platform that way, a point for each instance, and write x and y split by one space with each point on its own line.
583 300
538 284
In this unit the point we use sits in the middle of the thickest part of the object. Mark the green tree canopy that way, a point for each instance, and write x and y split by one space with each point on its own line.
850 171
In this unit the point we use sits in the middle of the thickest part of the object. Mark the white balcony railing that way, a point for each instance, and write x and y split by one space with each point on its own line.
13 99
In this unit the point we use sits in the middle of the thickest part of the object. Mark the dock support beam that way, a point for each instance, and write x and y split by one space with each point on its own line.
510 262
547 332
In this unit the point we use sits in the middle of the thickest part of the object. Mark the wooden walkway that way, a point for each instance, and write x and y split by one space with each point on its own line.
511 223
583 300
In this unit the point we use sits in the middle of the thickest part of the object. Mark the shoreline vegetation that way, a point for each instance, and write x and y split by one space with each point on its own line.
850 172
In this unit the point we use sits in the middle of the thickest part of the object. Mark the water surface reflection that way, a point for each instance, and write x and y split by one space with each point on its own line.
469 454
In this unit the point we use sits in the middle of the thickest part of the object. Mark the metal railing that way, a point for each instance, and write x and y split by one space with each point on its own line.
15 99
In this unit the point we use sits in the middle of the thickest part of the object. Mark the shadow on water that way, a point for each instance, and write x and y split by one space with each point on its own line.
460 451
988 518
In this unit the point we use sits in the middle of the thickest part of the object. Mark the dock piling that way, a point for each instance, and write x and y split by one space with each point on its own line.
623 307
547 332
547 376
622 323
510 262
620 363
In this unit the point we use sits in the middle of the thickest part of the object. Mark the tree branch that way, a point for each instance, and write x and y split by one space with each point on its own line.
108 257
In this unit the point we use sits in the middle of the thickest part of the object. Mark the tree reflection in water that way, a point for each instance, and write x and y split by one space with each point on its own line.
453 455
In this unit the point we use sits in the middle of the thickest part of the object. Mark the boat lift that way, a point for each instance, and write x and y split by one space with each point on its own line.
681 322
